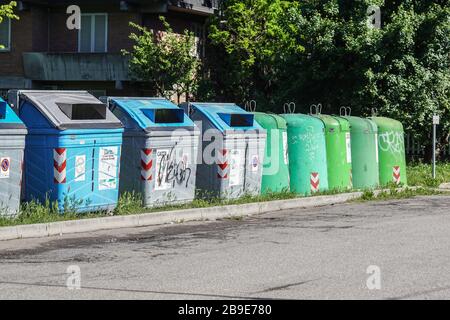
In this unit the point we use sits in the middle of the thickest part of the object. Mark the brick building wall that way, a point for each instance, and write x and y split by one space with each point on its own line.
40 41
42 29
119 30
61 39
11 61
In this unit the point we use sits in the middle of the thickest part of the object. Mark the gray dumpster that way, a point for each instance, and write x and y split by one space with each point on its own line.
12 144
159 150
232 150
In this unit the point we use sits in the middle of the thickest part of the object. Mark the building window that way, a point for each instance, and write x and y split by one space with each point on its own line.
5 34
199 33
93 35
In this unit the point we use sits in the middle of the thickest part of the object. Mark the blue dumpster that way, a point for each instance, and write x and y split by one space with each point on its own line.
12 144
72 151
232 150
159 150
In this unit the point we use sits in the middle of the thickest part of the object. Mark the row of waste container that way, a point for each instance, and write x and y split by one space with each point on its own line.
69 147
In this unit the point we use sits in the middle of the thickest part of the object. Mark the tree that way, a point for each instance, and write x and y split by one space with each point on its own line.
166 60
413 82
252 38
324 51
7 11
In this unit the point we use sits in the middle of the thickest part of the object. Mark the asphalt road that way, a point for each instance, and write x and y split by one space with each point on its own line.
321 253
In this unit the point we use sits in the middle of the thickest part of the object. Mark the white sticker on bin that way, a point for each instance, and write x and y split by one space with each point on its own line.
162 165
285 147
348 146
108 168
236 162
5 166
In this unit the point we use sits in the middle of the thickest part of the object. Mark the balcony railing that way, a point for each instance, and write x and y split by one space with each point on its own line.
75 66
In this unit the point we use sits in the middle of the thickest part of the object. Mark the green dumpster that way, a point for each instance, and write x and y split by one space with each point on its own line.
307 153
391 150
338 145
364 144
276 165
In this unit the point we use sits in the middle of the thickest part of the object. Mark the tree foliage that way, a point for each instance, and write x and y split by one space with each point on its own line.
7 11
252 39
166 60
324 51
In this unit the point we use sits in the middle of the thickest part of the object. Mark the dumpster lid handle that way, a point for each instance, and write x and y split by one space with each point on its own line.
374 112
345 111
289 107
315 109
251 105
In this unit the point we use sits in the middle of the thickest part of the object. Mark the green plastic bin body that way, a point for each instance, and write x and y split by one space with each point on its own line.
307 153
275 176
391 150
364 144
339 157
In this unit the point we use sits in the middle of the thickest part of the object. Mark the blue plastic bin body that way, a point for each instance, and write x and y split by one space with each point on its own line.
78 168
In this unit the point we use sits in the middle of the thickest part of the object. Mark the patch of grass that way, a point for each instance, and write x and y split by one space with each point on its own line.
35 212
420 174
131 203
394 193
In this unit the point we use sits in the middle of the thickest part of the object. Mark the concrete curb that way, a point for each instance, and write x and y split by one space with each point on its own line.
159 218
444 186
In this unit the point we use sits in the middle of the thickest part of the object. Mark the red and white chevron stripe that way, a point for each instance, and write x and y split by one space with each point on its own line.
315 182
59 165
396 174
223 167
146 164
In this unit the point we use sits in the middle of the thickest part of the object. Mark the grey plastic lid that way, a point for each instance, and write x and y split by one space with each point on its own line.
71 109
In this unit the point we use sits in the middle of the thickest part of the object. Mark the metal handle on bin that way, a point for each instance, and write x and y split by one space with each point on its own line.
345 111
374 112
289 107
315 109
252 105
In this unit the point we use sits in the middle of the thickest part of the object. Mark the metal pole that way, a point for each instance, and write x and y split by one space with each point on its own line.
434 150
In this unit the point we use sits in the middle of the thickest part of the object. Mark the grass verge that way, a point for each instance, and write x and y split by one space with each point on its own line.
33 212
420 174
129 203
393 193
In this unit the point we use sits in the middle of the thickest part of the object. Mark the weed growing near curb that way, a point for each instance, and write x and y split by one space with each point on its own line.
393 193
419 174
